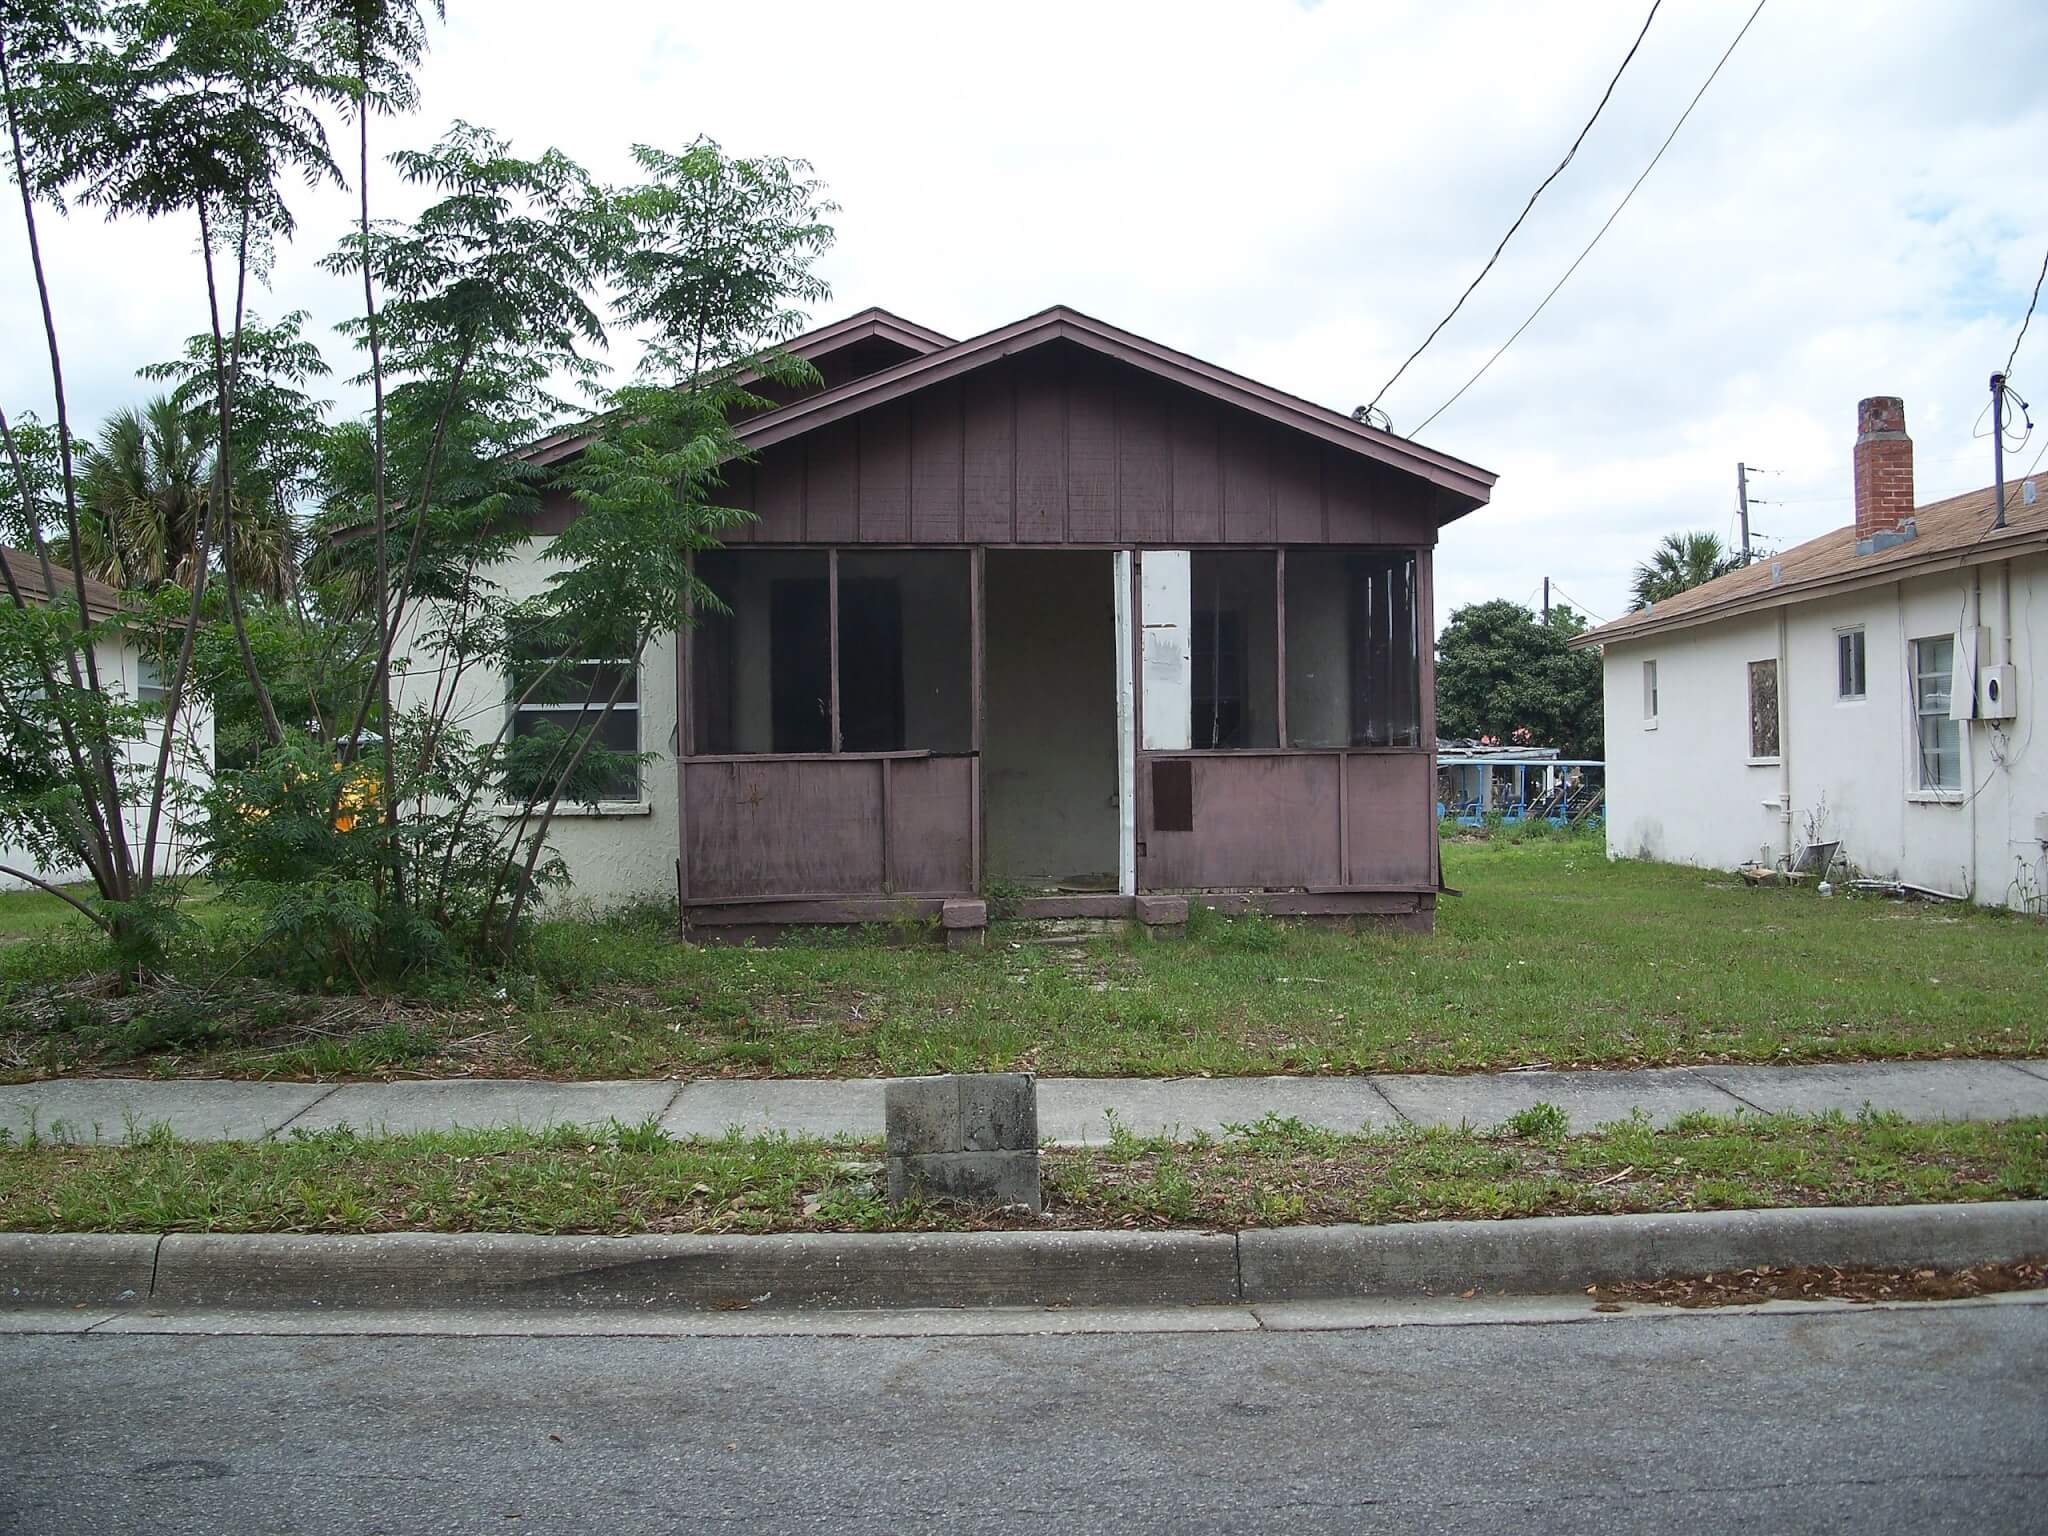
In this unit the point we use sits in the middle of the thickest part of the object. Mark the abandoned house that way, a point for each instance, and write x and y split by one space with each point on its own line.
1055 612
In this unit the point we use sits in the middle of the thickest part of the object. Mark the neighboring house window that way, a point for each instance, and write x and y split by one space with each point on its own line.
1940 738
1849 674
1763 708
560 705
1649 690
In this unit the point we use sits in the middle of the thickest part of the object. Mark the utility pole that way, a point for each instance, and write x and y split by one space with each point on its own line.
1546 602
1742 501
1998 446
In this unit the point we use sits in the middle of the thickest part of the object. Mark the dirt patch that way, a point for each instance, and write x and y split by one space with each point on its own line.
1746 1287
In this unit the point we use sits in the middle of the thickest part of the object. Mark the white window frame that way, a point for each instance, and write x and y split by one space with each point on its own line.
1860 651
591 709
1922 710
1650 700
1756 759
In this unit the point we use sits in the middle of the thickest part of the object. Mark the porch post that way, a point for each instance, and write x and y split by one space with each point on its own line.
1126 732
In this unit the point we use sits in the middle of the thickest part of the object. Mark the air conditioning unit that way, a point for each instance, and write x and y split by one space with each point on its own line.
1998 692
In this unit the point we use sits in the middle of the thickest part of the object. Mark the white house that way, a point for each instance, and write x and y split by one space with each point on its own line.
1876 685
125 669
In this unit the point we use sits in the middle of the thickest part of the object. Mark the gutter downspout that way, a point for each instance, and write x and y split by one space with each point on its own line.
1784 734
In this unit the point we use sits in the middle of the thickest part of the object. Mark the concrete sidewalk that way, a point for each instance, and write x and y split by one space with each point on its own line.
1071 1110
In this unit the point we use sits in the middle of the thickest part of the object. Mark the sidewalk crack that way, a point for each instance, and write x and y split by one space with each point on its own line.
2030 1071
1373 1083
302 1111
1714 1082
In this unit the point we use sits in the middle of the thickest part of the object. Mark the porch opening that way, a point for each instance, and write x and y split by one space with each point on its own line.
1049 735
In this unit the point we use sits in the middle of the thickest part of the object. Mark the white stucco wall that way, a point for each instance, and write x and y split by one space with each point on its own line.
619 852
1683 789
119 667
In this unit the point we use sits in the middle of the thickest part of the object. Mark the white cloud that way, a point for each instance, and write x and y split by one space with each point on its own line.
1298 193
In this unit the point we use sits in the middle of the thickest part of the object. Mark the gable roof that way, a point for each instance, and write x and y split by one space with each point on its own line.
1950 534
871 325
1467 485
101 600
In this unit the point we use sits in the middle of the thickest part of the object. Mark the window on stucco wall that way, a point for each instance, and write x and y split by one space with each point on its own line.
1939 737
1849 663
1763 708
1650 692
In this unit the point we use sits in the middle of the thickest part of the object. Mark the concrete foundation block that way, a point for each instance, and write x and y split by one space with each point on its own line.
968 1136
1001 1178
963 912
1162 911
966 938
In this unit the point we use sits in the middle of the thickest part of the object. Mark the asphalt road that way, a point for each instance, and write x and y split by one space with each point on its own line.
1910 1420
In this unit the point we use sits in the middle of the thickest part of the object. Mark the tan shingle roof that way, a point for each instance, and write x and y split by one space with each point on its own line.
1951 532
100 599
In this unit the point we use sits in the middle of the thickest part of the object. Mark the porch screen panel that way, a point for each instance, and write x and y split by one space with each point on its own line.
1164 662
905 651
1234 625
761 673
1354 658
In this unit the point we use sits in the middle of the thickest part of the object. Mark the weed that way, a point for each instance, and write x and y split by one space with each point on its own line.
1539 1122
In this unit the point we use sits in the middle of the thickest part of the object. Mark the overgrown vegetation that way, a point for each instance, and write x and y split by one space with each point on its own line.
1553 955
369 839
620 1179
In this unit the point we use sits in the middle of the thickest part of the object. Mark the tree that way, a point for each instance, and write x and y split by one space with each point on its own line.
1500 668
1681 562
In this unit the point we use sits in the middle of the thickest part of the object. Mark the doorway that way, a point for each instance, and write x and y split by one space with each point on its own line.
1049 742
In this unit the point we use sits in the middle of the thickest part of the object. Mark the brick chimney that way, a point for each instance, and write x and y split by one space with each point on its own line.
1884 474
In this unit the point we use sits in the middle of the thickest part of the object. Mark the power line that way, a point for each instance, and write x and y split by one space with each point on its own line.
1504 239
1568 271
2029 314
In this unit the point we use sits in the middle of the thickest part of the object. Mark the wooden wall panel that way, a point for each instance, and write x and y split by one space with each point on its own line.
1390 819
1247 481
1197 428
738 493
937 442
1041 452
988 423
779 494
885 473
931 829
1258 822
1144 465
1297 487
1091 454
767 828
832 484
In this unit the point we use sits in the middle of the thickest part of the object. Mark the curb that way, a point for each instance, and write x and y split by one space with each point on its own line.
1533 1256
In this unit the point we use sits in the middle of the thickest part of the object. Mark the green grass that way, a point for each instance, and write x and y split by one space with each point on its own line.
1552 955
632 1179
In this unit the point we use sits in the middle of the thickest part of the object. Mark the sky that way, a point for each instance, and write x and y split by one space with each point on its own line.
1858 206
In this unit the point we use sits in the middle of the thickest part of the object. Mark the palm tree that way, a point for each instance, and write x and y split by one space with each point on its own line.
1681 562
145 485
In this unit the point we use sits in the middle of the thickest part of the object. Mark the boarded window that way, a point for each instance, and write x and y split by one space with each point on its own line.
761 673
1173 794
1763 708
1354 660
1939 737
1234 625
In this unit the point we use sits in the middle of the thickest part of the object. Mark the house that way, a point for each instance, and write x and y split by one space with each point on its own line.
1056 612
123 667
1874 686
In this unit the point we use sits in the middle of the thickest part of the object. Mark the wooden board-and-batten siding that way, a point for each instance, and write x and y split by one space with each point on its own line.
1061 446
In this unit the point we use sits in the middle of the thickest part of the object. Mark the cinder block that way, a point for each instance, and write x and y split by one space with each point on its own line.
963 912
998 1112
1162 911
1000 1178
921 1115
966 938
